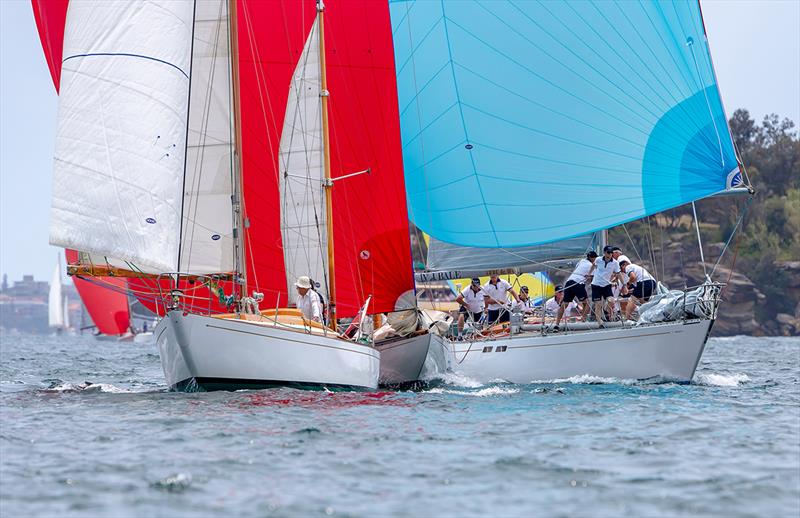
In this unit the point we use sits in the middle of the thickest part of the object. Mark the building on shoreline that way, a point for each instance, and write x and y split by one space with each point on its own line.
23 306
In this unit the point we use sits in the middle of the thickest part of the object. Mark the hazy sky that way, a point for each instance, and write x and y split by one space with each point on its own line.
755 45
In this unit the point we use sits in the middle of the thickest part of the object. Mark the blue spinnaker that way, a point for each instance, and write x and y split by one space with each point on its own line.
527 122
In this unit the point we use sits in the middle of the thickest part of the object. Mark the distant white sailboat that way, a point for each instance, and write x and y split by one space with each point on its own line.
57 303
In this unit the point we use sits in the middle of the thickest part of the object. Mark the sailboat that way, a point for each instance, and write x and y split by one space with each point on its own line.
57 302
528 125
174 169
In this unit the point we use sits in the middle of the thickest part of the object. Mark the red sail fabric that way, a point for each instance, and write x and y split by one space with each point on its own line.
51 16
370 220
373 253
105 300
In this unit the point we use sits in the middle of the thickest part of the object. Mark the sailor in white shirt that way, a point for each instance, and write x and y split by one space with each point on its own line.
525 304
553 304
470 301
640 282
621 295
496 296
605 272
307 300
575 287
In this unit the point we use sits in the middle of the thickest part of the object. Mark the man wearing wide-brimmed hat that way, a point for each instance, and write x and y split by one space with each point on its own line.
308 301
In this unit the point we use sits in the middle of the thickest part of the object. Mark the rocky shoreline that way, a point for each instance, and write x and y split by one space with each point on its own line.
745 309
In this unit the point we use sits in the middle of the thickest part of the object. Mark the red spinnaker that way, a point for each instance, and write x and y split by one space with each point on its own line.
372 247
373 252
51 17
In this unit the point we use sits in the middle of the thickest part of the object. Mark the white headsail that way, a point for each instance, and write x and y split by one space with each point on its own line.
207 241
301 167
123 106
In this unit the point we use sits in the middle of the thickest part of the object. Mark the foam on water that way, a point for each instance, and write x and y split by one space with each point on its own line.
484 392
87 388
586 379
720 380
457 380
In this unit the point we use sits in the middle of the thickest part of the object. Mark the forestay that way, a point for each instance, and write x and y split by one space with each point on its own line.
119 161
302 174
527 122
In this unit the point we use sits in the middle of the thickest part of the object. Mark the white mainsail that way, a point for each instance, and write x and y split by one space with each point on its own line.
55 300
123 107
301 165
207 240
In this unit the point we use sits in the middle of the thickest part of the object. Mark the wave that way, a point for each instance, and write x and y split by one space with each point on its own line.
484 392
174 483
457 380
86 387
720 380
587 379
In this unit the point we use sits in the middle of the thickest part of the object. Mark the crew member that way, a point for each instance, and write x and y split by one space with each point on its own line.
470 302
496 297
525 304
308 301
605 271
621 295
553 305
642 284
575 287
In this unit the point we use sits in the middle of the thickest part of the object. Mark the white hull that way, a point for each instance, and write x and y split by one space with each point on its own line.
215 353
413 359
670 351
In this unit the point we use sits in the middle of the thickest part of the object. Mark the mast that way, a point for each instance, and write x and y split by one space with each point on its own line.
240 280
328 183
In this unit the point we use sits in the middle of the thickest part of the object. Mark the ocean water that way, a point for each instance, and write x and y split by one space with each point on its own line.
726 445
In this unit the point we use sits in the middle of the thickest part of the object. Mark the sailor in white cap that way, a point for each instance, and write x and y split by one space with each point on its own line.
308 301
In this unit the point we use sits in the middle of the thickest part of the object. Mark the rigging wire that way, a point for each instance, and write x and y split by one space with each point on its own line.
733 232
699 240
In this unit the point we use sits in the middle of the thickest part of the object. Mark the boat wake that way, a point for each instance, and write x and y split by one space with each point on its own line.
720 380
86 387
484 392
454 379
587 379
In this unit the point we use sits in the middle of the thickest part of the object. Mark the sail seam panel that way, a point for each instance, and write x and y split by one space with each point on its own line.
573 72
564 162
544 79
463 121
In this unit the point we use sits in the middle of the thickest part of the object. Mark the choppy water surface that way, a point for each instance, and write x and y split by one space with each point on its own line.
728 444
